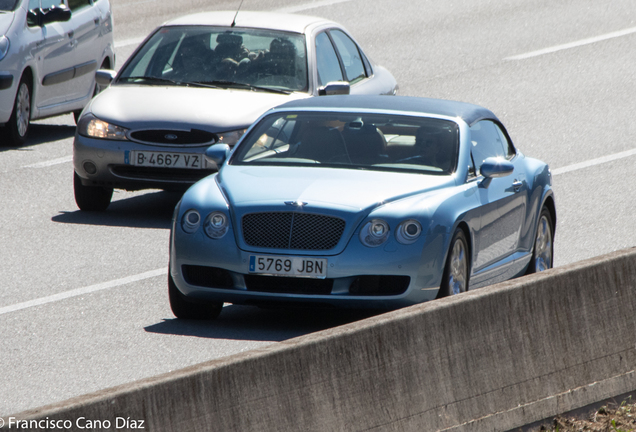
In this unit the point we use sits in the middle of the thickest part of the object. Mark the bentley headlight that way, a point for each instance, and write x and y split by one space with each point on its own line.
216 225
93 127
408 231
374 233
230 138
4 46
190 221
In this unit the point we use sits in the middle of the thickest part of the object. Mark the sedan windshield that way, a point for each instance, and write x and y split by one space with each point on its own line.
352 140
260 60
8 5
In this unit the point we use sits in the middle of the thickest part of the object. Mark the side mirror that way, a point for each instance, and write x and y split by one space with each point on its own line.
335 88
57 13
217 154
104 77
496 167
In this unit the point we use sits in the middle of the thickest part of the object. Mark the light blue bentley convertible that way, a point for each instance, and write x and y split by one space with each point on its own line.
360 201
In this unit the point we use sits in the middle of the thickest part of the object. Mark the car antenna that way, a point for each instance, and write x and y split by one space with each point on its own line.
236 14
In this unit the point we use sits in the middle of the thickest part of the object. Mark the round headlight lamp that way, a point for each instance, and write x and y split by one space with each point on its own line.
374 233
190 221
408 231
216 225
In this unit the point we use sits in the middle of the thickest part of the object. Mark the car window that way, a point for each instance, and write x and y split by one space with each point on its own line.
350 55
47 4
266 59
327 61
352 141
487 140
8 5
74 5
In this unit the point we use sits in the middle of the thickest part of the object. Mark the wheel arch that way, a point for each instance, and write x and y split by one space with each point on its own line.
548 202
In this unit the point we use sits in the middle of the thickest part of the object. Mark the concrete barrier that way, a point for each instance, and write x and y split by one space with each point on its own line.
493 359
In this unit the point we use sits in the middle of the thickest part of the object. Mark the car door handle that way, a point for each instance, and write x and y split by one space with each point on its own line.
71 34
96 21
517 185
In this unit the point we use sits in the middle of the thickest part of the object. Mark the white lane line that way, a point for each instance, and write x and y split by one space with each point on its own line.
573 44
592 162
51 162
84 290
312 5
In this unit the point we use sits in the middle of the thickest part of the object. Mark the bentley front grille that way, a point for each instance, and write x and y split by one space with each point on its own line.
292 230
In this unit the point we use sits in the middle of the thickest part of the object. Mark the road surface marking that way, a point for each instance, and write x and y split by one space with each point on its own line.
85 290
592 162
312 5
573 44
51 162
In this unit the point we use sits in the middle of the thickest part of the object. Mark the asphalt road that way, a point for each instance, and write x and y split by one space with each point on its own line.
83 304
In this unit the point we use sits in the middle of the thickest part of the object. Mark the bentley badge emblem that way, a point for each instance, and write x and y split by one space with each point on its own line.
295 203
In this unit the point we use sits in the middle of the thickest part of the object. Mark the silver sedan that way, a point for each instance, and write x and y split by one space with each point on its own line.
204 79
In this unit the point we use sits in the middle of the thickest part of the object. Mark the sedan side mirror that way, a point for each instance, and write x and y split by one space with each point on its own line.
104 77
217 154
57 13
335 88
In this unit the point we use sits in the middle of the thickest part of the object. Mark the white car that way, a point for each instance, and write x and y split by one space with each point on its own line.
204 79
49 52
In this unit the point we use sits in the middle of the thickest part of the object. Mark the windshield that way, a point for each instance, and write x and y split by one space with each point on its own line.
8 5
219 56
353 141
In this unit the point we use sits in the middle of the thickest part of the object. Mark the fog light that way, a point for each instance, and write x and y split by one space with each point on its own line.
90 167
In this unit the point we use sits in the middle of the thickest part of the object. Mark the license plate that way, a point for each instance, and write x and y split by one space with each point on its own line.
165 159
288 266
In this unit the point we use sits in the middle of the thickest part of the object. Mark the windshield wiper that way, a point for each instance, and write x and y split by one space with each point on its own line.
224 83
149 79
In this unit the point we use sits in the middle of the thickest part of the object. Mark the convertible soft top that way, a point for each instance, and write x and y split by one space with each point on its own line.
468 112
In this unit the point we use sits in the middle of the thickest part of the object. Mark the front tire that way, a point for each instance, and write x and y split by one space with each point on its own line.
91 198
543 250
457 268
184 309
17 128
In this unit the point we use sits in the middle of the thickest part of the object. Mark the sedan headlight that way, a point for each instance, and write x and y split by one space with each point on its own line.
216 225
230 138
374 233
93 127
190 221
4 46
408 232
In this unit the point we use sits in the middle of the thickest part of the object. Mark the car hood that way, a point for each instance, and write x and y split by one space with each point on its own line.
214 110
6 18
347 190
350 195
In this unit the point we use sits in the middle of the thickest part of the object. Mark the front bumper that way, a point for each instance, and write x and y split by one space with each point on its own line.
105 163
387 277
